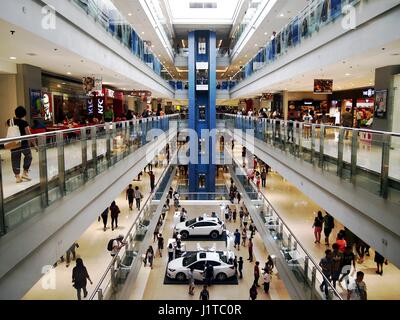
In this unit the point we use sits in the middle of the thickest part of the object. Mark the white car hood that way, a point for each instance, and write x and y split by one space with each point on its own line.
180 226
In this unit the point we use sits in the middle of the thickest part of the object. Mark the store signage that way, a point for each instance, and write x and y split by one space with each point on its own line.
100 106
88 84
98 84
108 93
323 86
267 96
141 93
90 107
369 93
47 107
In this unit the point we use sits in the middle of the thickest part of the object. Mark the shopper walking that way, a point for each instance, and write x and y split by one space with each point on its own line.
341 242
138 197
152 180
80 276
269 265
241 215
204 294
329 224
191 281
160 244
240 267
104 217
170 252
209 271
130 194
244 236
337 261
347 260
264 178
347 121
237 239
267 280
114 245
250 248
256 273
318 222
326 266
71 251
380 260
114 215
149 257
253 292
23 148
357 290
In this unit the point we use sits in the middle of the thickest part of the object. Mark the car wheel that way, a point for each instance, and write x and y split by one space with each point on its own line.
214 234
181 276
221 276
184 234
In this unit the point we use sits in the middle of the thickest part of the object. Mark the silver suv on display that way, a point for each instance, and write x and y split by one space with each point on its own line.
201 226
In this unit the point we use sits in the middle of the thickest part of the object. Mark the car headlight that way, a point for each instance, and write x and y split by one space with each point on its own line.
171 270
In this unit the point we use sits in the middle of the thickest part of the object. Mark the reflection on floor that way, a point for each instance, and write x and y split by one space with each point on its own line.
298 211
92 249
149 285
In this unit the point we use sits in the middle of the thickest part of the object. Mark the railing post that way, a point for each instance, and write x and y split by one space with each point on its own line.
44 188
340 152
2 213
354 148
300 149
61 162
84 154
289 242
313 281
108 144
93 136
306 262
100 294
312 142
385 166
321 146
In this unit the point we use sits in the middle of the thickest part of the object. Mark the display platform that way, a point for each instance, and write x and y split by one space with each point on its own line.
230 281
222 237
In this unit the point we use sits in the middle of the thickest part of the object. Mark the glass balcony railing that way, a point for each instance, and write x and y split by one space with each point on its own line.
368 159
111 20
129 259
184 85
64 161
305 269
317 15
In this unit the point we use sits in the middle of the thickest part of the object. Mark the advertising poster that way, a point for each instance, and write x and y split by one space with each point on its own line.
323 86
380 103
48 107
36 102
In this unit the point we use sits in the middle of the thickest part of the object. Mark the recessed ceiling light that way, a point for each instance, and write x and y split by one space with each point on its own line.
142 32
265 33
58 86
63 83
13 58
69 73
256 45
129 14
281 15
347 74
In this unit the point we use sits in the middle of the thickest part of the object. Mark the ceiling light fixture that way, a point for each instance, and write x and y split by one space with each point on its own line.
69 73
130 14
13 58
347 74
282 15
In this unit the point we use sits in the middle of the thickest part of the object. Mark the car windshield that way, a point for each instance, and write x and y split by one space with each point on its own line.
189 259
223 257
190 222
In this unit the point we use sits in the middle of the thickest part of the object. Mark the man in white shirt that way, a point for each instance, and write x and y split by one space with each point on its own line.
357 290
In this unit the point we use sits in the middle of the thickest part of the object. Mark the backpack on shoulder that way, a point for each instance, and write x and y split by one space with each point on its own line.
110 244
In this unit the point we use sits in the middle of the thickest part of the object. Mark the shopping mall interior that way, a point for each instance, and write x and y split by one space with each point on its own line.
200 149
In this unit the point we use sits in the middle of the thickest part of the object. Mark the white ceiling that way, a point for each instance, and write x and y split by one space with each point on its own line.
30 49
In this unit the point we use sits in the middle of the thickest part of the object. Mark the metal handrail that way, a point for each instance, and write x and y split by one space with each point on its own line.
151 196
101 125
396 134
290 231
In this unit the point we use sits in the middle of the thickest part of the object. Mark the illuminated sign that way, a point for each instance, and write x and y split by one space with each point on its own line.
100 106
47 107
90 106
369 93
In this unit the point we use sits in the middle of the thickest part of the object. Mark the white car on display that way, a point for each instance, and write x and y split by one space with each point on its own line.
201 226
178 268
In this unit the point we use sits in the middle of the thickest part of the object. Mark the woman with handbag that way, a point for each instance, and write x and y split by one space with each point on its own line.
20 147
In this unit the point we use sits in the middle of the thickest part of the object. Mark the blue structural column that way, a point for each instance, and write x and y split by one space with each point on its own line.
202 111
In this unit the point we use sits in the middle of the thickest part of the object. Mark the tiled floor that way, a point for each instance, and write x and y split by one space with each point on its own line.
298 212
93 251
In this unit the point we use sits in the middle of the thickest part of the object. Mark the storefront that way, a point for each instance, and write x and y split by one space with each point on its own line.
298 108
360 102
